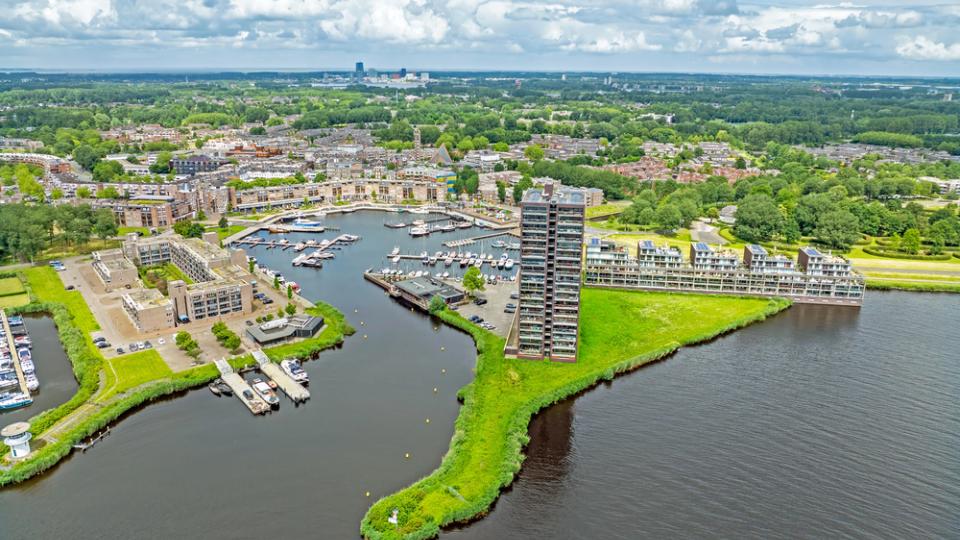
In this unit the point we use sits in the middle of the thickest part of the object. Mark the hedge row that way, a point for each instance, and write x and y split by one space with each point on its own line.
374 525
898 255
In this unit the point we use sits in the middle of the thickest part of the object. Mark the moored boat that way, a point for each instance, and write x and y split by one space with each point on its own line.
296 372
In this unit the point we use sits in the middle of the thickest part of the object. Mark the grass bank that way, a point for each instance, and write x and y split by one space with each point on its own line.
490 432
109 389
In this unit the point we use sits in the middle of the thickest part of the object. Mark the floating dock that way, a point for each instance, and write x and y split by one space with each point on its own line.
236 383
475 239
290 387
15 360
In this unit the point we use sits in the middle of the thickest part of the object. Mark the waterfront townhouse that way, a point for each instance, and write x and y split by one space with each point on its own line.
650 255
757 259
704 257
815 263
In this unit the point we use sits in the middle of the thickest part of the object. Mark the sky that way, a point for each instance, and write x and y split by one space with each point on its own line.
882 37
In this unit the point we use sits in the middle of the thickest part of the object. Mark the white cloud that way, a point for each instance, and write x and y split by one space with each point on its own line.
923 48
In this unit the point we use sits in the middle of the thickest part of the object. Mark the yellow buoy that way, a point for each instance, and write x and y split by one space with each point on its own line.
368 494
407 455
434 389
364 336
428 420
443 348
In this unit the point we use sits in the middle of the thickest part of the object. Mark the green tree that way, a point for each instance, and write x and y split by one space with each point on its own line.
473 280
533 152
223 223
83 192
501 191
910 242
838 229
437 304
107 171
291 308
105 225
758 219
276 282
232 343
250 265
289 292
669 217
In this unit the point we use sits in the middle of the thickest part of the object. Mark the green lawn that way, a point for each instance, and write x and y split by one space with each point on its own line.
14 300
47 287
485 452
11 286
168 272
134 369
229 231
608 209
123 231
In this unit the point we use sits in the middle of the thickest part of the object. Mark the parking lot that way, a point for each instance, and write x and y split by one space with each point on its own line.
497 297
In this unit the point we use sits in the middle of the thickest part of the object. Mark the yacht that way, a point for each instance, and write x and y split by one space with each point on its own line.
296 372
465 225
396 259
419 231
508 265
27 366
14 400
33 384
396 250
300 222
448 261
499 244
478 263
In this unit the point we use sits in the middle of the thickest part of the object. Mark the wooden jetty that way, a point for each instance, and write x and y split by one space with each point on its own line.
15 359
290 387
84 446
474 239
256 404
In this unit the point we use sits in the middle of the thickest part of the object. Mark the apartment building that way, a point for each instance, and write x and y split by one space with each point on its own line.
148 309
548 317
757 259
113 269
704 257
761 275
196 164
651 255
218 286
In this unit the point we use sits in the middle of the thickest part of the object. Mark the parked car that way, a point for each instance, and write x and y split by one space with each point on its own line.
161 341
512 305
509 310
248 323
133 347
480 301
70 287
103 345
120 350
514 296
147 345
99 339
267 301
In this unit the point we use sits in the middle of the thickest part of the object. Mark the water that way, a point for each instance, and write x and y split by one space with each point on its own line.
822 422
57 382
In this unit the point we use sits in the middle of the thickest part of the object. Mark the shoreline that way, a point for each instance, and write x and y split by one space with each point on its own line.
438 487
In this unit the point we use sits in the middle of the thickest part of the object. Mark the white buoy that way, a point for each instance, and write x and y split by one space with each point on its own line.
428 420
443 348
368 494
434 389
364 336
443 370
407 455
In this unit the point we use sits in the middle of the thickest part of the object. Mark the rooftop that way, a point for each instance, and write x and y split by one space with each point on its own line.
144 298
563 195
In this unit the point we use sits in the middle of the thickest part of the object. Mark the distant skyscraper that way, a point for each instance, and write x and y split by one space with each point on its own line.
358 71
551 233
403 72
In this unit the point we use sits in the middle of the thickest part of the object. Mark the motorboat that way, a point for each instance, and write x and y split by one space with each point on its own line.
27 366
478 263
22 340
266 393
395 251
448 261
419 223
446 275
214 389
300 222
15 320
395 225
224 388
499 244
33 383
419 231
300 246
296 372
508 265
464 225
14 400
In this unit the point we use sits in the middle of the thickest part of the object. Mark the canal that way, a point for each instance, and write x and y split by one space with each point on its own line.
53 369
819 422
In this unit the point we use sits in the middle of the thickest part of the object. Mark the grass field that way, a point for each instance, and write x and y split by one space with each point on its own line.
132 370
47 287
123 231
485 452
11 286
606 209
229 231
14 300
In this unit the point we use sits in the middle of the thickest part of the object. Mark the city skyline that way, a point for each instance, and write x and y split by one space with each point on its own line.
758 37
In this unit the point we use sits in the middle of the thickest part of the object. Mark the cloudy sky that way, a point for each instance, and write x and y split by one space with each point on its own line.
786 36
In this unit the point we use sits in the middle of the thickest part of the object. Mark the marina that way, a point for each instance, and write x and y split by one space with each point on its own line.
16 364
239 386
290 387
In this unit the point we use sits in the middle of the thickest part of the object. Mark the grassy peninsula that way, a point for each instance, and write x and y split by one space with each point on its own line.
620 331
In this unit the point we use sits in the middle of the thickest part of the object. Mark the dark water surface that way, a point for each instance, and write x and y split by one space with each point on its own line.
822 422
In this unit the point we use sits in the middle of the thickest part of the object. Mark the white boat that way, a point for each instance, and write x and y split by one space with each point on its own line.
22 340
508 265
396 250
465 225
27 366
266 392
12 401
396 259
446 275
419 231
296 372
300 222
33 384
499 244
448 261
478 263
418 223
432 261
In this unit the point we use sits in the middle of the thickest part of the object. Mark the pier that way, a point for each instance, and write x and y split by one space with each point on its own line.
474 239
15 359
290 387
255 403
